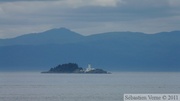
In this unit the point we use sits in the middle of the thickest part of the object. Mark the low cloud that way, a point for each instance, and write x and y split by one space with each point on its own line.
25 0
88 17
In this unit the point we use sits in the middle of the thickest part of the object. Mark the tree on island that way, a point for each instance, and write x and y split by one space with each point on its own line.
74 68
66 68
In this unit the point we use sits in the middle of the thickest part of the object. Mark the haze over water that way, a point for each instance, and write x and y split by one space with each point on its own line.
22 86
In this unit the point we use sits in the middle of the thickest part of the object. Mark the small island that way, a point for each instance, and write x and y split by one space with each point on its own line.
74 68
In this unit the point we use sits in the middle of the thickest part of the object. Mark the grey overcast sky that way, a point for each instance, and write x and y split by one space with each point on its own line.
87 17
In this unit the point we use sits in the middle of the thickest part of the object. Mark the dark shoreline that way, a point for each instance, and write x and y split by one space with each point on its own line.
72 73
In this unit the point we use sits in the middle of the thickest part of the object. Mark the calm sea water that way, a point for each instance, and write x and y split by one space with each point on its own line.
84 87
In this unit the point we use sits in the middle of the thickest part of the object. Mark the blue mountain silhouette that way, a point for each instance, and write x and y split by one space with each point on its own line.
113 51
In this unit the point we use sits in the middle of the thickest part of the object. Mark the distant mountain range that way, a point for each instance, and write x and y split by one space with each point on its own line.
53 36
113 51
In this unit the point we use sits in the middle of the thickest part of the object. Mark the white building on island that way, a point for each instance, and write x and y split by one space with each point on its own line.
89 68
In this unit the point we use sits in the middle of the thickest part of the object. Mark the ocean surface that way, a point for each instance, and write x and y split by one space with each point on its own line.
34 86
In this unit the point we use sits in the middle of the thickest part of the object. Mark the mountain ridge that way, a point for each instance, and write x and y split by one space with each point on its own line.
46 37
124 51
64 35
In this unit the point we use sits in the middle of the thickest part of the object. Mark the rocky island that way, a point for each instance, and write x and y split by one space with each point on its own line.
74 68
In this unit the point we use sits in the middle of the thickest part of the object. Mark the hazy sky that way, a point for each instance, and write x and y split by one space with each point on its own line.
19 17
